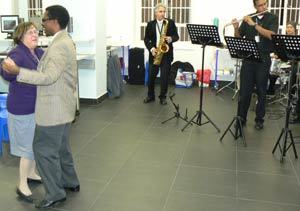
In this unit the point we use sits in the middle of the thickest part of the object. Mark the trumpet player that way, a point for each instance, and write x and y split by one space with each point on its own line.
254 75
159 36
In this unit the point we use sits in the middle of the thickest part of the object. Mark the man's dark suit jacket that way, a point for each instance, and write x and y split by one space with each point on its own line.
150 38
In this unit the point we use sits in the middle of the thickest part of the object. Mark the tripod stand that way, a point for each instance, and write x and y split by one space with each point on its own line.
235 81
203 35
287 47
245 49
282 96
176 113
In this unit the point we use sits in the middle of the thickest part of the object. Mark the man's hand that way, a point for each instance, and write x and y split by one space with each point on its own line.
235 23
249 20
168 39
10 66
153 51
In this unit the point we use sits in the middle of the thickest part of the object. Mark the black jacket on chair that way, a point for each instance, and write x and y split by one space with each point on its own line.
150 38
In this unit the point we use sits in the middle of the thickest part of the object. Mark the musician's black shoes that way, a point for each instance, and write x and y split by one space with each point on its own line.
259 125
149 99
163 101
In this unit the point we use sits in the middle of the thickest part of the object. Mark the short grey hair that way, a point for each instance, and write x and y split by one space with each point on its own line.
160 5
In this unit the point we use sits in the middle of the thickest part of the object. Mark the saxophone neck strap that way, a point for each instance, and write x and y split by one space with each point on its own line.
160 26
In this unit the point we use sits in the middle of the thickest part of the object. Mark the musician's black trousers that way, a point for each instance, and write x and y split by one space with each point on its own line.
164 77
254 76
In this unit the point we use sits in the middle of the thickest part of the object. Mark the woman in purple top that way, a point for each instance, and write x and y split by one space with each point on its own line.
21 105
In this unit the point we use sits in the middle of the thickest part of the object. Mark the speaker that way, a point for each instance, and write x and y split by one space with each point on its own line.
136 66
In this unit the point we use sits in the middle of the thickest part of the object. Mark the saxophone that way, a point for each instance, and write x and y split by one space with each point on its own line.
162 47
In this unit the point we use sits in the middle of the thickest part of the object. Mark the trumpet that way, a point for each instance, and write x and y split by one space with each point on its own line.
241 19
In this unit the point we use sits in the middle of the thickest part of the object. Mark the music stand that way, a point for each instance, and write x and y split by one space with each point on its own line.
245 49
176 112
203 35
287 47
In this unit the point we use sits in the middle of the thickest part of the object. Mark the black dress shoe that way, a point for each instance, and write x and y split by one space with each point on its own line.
34 180
73 189
24 197
46 204
259 125
163 101
149 99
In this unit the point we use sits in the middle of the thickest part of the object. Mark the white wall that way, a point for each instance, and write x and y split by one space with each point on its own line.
83 13
224 10
100 57
121 20
7 9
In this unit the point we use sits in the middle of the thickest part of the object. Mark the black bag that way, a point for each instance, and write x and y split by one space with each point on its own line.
136 66
184 66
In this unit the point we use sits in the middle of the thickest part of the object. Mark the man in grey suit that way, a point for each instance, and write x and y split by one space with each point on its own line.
56 80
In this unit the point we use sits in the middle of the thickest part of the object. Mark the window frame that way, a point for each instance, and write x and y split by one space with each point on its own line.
282 9
35 8
144 18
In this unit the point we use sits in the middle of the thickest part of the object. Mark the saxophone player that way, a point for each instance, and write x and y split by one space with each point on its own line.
159 36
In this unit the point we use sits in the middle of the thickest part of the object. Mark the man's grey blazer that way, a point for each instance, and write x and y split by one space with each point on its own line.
56 80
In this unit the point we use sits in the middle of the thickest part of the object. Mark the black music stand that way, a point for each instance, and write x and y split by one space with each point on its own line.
203 35
287 47
176 112
245 49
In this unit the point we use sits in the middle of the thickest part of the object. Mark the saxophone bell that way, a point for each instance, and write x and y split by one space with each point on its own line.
164 47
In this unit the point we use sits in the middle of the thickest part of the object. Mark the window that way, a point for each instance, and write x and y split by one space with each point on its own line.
35 8
178 10
286 10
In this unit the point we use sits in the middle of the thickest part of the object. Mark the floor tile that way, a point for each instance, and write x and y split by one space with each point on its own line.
159 153
262 162
179 201
266 187
206 181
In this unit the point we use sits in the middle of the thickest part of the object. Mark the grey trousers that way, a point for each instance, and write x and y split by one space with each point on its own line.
54 159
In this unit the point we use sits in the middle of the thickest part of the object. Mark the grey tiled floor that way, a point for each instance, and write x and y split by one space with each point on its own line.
128 161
